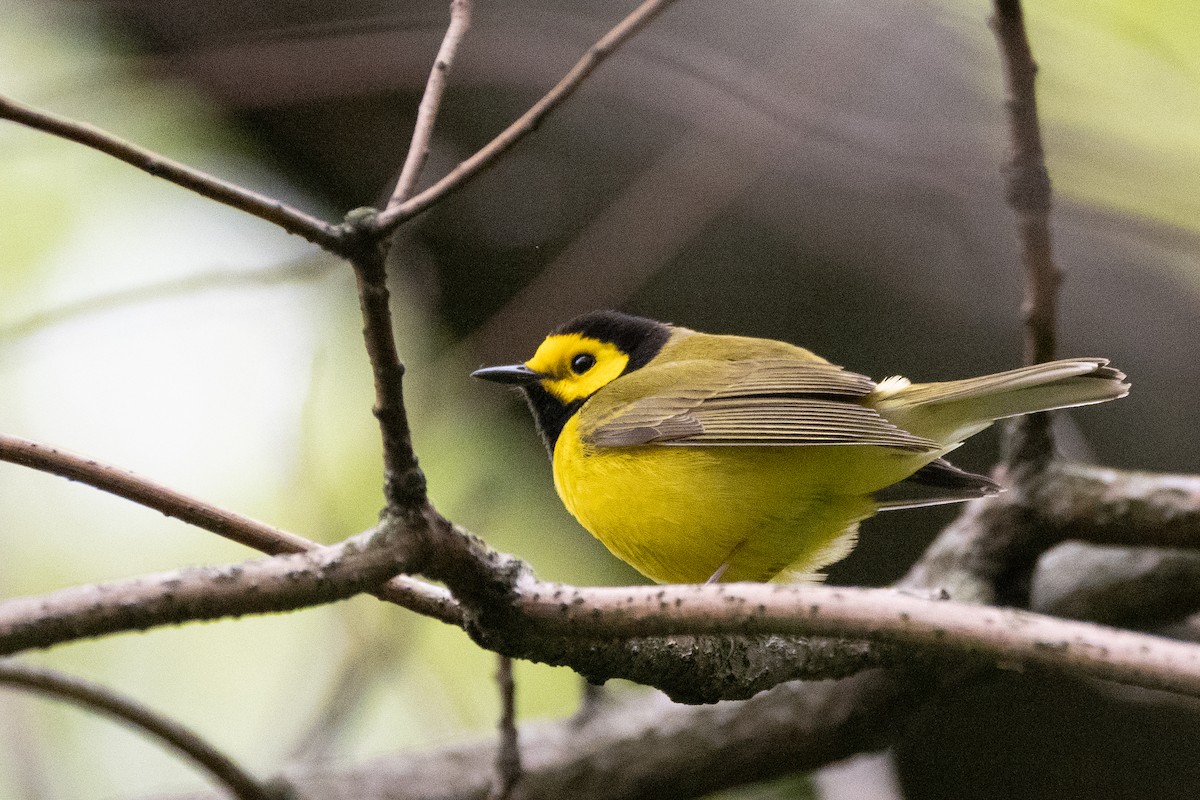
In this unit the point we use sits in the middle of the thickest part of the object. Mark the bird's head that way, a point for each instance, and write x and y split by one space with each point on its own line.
577 360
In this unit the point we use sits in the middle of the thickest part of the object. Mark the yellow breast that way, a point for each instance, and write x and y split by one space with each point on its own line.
677 514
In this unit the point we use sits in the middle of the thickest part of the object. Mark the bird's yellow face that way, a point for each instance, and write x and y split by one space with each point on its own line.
578 360
572 366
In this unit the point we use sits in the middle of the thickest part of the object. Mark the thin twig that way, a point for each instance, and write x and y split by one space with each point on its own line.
1030 197
292 220
431 101
224 770
527 122
508 750
145 492
402 590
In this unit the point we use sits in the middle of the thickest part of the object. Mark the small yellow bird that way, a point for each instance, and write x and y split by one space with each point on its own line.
696 457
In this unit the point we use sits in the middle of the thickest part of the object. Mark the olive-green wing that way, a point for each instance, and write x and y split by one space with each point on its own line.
773 402
783 377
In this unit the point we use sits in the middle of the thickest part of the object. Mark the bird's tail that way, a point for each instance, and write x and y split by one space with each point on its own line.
951 411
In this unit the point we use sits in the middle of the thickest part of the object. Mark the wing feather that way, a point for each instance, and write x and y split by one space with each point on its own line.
783 376
764 402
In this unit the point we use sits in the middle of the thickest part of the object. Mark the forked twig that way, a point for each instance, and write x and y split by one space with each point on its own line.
365 230
528 122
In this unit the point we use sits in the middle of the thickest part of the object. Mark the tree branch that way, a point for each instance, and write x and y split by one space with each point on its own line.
404 591
510 613
431 100
645 747
1029 196
969 561
315 230
403 480
641 747
223 769
1125 587
279 583
508 750
1117 507
527 123
1004 637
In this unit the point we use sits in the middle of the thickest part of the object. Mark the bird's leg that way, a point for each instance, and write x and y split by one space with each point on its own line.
716 576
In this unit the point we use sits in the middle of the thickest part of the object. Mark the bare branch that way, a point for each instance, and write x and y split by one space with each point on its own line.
987 554
415 595
146 492
1005 637
484 580
223 769
1127 587
645 747
279 583
1029 196
508 749
403 482
292 220
364 230
1117 507
527 122
509 612
431 101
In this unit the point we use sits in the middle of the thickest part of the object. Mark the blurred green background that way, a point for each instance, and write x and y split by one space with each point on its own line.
821 172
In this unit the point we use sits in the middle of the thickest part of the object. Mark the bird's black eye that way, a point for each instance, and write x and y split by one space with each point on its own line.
582 363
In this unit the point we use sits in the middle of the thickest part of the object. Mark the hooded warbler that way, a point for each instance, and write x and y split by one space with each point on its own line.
697 457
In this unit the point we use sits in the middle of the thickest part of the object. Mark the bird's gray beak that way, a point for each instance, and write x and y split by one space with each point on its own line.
515 374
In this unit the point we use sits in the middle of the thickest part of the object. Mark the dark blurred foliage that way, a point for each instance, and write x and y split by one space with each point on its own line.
823 172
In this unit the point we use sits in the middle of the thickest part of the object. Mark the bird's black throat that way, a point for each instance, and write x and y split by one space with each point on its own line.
637 337
549 414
